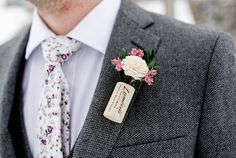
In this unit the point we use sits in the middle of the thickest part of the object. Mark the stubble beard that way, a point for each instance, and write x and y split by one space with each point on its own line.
50 6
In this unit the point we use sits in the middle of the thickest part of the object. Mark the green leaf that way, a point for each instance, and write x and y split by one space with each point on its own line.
152 64
156 67
123 53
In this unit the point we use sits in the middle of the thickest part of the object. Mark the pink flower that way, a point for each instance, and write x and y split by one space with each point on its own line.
51 68
117 63
46 82
137 52
43 141
149 80
149 77
152 72
50 128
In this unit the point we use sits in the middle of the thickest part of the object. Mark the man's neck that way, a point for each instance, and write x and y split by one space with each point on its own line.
64 21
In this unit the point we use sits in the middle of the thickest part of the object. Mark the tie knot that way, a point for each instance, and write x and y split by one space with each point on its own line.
59 49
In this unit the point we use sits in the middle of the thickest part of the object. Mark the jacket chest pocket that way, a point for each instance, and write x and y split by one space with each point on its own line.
174 148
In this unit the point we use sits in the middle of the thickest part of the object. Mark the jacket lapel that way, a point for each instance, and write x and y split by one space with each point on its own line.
11 59
98 134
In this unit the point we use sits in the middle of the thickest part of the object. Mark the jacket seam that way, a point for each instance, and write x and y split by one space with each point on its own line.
205 89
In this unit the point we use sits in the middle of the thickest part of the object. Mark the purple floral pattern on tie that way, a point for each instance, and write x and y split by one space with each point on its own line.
53 130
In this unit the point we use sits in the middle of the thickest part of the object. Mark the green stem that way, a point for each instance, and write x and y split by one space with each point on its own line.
132 81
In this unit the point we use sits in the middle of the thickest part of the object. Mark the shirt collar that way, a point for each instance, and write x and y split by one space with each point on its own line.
94 30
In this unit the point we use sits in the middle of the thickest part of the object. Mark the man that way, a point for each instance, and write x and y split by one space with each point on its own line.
189 111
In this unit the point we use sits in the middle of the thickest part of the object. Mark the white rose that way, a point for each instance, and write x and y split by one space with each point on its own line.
135 67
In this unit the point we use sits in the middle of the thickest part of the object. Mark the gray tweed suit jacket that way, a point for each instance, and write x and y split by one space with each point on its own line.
190 111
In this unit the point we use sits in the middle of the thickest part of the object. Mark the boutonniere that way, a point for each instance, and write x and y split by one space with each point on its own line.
133 68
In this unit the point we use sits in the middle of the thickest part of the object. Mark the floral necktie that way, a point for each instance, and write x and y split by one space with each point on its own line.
53 130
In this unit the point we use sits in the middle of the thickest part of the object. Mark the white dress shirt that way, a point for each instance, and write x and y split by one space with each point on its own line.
81 70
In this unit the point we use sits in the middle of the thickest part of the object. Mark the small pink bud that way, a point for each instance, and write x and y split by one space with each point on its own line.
153 72
117 63
149 77
137 52
148 80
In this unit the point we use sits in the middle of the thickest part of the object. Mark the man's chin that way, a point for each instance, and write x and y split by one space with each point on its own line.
49 6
